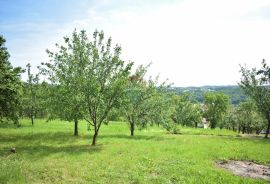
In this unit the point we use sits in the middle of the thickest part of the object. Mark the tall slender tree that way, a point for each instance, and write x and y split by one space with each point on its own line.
31 87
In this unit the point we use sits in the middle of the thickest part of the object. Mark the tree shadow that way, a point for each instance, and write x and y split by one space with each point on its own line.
31 138
135 137
40 151
208 134
43 144
8 125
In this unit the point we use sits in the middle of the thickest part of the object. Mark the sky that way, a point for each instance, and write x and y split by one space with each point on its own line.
188 42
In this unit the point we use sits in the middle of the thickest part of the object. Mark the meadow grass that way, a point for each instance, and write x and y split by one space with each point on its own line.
49 153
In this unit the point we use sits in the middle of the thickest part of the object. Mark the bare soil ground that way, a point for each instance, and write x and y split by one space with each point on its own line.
246 168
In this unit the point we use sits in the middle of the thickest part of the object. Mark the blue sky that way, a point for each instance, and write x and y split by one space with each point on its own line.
190 42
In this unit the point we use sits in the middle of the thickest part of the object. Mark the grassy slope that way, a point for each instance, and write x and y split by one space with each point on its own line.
48 153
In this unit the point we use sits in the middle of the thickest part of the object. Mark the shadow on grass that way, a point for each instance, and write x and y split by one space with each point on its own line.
209 134
135 137
31 138
39 151
8 125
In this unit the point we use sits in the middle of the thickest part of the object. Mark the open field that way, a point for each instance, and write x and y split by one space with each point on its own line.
49 153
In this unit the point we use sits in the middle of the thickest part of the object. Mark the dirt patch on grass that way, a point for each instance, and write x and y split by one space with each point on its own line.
246 169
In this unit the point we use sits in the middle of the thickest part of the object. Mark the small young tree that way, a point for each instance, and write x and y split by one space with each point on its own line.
30 94
216 107
10 86
255 84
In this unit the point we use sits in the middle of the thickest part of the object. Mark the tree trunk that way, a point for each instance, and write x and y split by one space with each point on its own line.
213 124
243 130
32 119
132 125
132 128
76 127
268 127
94 138
32 115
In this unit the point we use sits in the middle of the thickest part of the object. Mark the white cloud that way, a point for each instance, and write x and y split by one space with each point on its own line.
191 42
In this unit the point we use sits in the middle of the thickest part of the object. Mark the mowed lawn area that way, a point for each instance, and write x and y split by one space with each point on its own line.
49 153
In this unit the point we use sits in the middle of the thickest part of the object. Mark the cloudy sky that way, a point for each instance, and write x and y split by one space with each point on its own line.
190 42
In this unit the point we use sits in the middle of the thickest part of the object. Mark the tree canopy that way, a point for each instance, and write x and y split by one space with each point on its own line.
216 107
89 77
255 83
10 86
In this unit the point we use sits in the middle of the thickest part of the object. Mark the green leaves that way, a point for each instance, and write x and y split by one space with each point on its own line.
10 86
144 101
89 78
216 107
255 83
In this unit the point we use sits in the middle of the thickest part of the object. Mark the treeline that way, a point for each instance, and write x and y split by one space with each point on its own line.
235 93
86 79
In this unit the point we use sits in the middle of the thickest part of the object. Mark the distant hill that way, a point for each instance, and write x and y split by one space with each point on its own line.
235 92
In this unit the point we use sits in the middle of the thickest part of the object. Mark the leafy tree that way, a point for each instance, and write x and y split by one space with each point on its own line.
255 83
185 112
64 71
10 86
143 101
248 118
104 79
230 119
30 101
89 78
216 107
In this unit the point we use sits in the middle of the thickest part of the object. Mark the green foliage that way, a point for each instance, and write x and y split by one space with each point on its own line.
248 117
30 100
255 84
10 86
216 105
144 101
235 93
89 78
65 73
185 112
104 79
230 120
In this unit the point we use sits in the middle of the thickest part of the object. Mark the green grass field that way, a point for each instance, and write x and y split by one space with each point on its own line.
49 153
